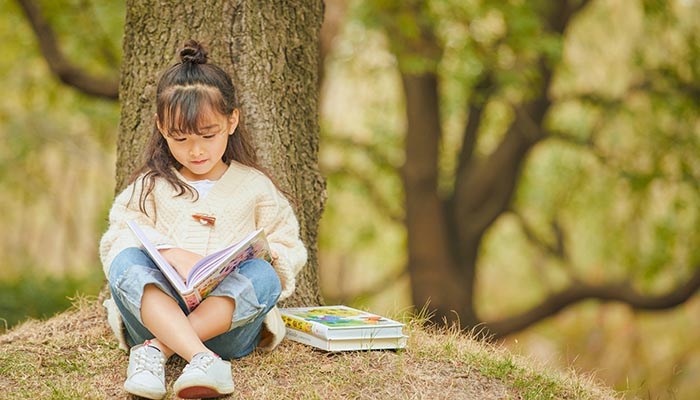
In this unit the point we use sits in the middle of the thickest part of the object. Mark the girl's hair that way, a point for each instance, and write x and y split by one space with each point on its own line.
186 91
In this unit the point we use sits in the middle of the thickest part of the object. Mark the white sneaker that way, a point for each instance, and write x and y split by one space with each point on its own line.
145 375
206 376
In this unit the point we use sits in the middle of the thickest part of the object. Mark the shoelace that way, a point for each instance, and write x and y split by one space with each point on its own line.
201 362
149 361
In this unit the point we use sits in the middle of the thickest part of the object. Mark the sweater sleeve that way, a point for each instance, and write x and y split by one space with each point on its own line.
276 216
119 236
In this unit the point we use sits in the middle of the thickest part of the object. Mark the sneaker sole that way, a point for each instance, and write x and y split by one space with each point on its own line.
201 392
145 393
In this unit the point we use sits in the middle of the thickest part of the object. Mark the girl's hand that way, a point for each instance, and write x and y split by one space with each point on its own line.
182 260
274 256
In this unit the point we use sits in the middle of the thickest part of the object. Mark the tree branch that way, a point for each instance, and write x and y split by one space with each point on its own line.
486 191
481 93
105 87
622 292
558 249
527 130
374 153
560 18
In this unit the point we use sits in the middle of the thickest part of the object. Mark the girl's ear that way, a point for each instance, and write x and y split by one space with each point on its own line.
233 120
155 117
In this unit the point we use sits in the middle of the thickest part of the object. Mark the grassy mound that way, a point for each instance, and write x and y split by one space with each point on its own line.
74 356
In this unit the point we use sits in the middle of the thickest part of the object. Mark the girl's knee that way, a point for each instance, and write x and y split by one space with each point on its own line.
123 261
264 279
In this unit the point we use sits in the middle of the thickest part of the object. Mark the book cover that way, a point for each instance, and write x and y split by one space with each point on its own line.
346 344
210 270
340 322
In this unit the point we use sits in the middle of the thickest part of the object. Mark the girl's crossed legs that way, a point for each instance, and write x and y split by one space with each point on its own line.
228 322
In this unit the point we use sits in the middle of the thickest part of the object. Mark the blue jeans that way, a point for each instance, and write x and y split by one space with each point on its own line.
254 286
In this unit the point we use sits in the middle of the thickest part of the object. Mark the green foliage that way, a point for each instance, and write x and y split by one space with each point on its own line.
657 8
34 294
89 32
618 180
56 168
611 195
622 164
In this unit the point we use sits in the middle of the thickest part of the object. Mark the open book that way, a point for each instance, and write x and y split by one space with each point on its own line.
210 270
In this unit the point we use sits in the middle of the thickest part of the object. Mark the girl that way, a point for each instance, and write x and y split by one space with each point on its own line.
200 190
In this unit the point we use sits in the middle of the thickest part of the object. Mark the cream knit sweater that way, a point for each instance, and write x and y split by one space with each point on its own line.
243 200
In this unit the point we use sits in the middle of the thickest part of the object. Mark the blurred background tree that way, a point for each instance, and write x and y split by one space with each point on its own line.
507 77
527 164
514 159
56 157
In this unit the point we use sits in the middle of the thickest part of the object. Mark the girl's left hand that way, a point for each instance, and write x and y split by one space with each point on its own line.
182 260
274 256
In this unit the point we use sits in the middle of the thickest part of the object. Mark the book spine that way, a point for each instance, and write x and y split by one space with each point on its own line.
305 326
191 299
307 339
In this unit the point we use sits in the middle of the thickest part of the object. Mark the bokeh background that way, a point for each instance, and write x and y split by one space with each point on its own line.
615 186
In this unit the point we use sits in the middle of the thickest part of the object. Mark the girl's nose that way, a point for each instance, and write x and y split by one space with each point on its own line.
196 149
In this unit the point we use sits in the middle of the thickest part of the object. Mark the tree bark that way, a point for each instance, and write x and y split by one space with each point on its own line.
270 49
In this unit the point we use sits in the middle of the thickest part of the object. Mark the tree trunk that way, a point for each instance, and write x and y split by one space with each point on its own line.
270 48
438 282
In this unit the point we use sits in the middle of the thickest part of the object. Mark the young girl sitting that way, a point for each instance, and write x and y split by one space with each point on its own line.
199 190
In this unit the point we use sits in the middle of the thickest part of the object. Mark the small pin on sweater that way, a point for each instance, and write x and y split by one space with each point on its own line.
204 219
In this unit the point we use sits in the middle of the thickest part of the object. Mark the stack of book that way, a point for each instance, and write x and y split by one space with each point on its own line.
342 328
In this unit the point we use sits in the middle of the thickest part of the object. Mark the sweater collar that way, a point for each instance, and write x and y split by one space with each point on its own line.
227 172
234 169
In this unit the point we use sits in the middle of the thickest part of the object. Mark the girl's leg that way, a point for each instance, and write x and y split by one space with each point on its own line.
212 317
256 287
162 316
129 273
148 311
207 321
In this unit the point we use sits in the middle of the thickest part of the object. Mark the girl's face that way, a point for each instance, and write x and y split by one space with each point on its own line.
201 153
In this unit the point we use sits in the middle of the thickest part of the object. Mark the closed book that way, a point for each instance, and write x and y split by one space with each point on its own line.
340 322
386 343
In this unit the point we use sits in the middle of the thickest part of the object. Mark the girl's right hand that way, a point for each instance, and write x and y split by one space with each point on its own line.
182 260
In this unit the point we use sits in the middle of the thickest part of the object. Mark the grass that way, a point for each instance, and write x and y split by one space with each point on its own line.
74 356
19 299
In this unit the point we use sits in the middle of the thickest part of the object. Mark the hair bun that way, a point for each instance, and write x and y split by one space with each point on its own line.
193 52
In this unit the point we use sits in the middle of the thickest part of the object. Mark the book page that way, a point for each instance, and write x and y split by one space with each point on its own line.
206 274
224 261
167 269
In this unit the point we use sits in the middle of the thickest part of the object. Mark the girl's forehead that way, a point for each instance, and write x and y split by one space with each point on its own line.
198 112
189 121
186 107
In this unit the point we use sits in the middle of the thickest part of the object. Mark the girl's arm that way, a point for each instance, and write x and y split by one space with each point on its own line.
276 216
119 236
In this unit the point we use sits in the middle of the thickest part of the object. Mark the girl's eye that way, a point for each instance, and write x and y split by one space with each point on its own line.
180 139
208 136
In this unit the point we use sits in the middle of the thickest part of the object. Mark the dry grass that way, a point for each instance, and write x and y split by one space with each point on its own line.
73 356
